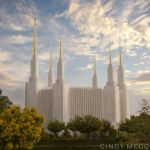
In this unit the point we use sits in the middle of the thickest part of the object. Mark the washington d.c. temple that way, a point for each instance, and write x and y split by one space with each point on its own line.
63 102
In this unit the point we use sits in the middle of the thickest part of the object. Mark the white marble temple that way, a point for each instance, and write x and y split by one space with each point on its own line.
62 102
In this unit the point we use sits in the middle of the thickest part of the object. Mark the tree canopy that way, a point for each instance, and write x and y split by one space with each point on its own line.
55 127
87 124
20 128
138 126
4 102
106 125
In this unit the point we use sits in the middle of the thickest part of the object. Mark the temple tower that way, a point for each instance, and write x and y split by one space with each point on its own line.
120 71
94 81
34 84
110 101
50 73
124 92
60 93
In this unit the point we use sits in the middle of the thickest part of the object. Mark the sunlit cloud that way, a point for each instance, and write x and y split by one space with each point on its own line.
85 68
140 80
146 90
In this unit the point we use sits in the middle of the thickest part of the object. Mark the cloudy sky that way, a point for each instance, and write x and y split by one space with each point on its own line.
87 27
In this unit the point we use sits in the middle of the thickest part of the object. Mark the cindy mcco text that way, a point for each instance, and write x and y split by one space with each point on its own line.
121 146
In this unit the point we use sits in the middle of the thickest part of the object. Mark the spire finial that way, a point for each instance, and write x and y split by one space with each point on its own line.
60 48
94 65
110 55
51 61
120 53
34 53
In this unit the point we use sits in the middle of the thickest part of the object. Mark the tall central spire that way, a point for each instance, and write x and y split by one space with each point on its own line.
51 62
110 55
34 53
50 74
120 53
60 48
94 65
94 79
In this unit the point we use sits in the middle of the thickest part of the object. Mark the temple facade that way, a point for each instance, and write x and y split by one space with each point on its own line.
63 102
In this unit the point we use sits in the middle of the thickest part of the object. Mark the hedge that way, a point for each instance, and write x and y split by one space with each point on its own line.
78 142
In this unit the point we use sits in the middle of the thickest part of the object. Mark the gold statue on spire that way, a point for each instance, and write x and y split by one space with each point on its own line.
51 62
35 52
110 55
34 21
60 48
94 65
120 53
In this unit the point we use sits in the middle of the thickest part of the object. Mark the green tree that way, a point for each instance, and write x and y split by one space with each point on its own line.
55 127
20 128
66 134
87 125
106 127
4 102
138 126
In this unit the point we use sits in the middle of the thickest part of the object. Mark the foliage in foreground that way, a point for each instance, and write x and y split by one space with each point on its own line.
20 128
138 127
4 102
87 124
107 130
55 127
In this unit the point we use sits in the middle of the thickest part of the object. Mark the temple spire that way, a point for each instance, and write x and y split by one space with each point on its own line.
110 55
94 65
34 52
60 47
50 74
94 79
120 53
51 61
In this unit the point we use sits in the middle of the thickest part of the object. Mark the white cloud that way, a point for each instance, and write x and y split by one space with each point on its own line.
5 56
22 20
128 71
136 64
139 72
89 18
146 90
15 39
140 80
27 7
8 80
98 24
85 68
